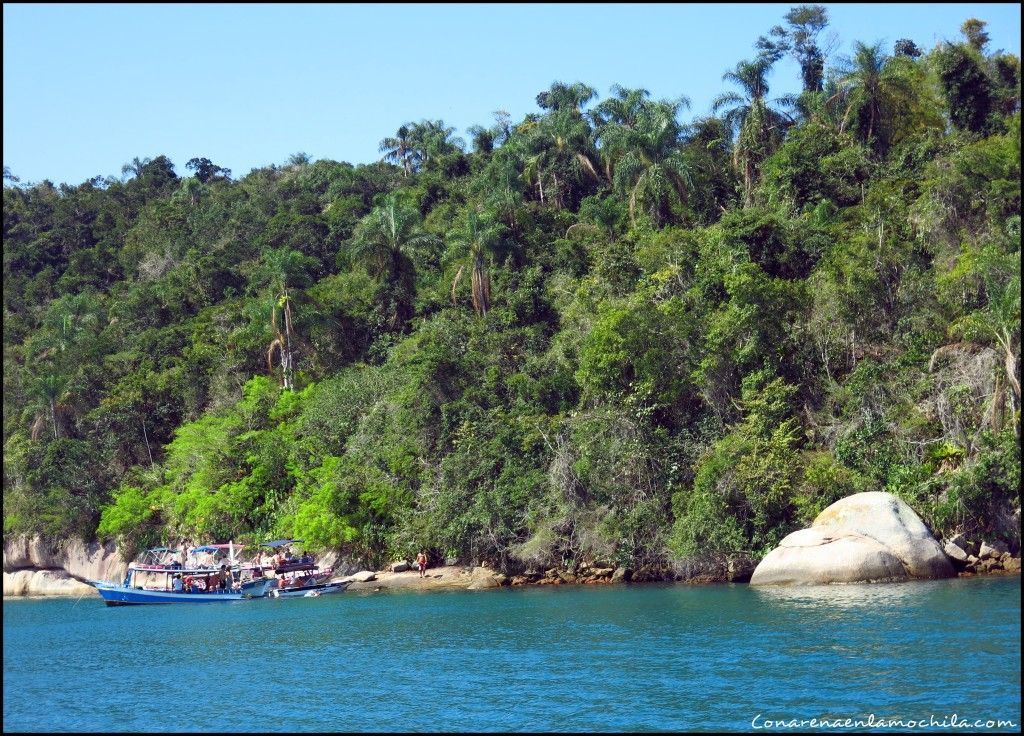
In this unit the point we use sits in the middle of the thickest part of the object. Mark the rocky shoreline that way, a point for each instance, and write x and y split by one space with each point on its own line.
32 567
454 577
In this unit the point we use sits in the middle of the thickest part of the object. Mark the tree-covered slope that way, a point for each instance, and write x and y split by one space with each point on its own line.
597 333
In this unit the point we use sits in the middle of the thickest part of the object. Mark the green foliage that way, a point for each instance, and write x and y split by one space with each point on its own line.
816 165
685 339
742 494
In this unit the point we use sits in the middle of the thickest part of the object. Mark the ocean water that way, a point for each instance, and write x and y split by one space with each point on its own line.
622 658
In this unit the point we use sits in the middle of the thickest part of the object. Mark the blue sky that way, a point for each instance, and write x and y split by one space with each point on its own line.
88 87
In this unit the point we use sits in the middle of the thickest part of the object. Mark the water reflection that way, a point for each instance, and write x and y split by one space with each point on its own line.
873 596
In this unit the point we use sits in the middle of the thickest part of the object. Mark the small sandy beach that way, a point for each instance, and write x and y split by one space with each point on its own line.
437 578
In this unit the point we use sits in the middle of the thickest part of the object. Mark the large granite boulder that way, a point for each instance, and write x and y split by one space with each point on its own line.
34 565
867 537
44 582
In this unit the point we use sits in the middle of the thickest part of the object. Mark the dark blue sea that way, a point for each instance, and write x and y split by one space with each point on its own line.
929 655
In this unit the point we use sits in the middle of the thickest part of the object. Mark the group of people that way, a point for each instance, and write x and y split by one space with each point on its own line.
287 558
222 580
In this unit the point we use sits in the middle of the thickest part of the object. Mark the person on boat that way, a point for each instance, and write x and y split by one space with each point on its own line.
176 584
225 579
188 584
307 559
288 559
421 563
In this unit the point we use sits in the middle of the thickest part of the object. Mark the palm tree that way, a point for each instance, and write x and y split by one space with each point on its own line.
50 393
757 125
561 96
135 167
871 90
621 111
478 237
559 147
280 269
399 149
650 168
432 139
282 341
386 241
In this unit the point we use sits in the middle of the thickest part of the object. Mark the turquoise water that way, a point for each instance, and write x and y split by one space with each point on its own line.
624 658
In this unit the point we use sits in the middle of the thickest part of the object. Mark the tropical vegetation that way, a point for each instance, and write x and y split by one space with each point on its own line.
600 333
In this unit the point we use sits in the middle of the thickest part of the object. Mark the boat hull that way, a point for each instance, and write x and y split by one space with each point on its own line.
259 588
119 595
309 591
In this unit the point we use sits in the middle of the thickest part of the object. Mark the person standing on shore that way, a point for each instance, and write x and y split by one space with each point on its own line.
421 563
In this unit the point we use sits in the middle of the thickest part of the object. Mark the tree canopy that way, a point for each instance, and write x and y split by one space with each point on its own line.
604 333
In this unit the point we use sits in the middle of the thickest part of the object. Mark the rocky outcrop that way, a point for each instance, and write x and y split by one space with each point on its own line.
484 577
44 582
37 566
740 568
363 576
993 556
867 537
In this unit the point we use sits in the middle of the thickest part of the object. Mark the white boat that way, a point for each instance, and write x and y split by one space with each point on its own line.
309 591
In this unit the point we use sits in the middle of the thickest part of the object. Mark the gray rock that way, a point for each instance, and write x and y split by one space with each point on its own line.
1012 564
363 576
954 552
818 556
400 566
740 569
867 537
967 545
622 575
483 578
993 549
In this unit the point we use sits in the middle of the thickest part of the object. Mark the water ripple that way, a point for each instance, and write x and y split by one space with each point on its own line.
643 658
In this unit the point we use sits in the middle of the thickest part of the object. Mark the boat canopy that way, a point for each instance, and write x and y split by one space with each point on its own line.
216 547
162 549
280 543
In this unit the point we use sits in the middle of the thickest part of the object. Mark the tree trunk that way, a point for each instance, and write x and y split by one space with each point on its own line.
145 436
286 362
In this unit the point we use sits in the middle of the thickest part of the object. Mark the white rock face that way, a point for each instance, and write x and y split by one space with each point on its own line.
34 566
867 537
44 582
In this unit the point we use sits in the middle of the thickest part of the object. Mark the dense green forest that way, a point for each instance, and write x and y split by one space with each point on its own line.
597 333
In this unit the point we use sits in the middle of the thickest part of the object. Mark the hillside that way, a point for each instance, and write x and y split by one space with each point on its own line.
597 333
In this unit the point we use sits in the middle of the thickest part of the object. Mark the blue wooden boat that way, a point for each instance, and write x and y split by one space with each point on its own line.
151 582
119 594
